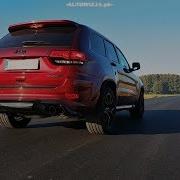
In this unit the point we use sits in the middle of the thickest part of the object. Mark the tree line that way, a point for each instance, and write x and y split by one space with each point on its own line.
161 83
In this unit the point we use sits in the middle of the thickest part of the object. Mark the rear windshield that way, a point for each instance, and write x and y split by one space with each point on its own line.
55 36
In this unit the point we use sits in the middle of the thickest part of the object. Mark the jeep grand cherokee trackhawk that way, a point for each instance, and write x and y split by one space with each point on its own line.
49 68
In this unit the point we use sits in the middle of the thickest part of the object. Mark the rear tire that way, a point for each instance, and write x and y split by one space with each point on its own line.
137 112
13 121
94 128
105 113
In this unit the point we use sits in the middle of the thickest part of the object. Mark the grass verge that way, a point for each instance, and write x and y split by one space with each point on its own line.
150 96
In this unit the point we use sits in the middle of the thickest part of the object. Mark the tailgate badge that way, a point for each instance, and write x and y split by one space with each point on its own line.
20 51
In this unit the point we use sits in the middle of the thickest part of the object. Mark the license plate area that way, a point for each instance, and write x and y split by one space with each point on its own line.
23 64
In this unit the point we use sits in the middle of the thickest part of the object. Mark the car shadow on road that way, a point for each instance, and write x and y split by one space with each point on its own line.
74 124
154 122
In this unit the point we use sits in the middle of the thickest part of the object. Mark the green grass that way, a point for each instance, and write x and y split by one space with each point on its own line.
150 96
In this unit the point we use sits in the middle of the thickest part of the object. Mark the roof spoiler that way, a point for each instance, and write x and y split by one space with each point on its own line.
39 24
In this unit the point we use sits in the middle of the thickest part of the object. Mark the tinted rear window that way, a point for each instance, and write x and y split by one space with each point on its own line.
111 53
60 36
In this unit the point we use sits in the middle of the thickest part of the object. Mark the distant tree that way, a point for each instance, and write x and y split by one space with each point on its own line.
165 87
161 83
157 87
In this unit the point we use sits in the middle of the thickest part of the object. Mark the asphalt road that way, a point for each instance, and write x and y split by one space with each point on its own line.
63 149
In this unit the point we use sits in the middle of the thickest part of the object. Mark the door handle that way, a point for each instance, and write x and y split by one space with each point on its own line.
113 64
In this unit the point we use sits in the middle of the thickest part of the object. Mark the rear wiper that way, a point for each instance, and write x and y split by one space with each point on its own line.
35 43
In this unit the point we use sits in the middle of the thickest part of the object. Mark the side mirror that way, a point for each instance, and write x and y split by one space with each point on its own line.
135 66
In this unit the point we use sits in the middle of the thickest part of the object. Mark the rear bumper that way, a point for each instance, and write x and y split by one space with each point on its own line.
77 102
73 95
44 108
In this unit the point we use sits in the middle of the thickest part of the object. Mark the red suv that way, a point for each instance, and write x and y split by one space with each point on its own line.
49 68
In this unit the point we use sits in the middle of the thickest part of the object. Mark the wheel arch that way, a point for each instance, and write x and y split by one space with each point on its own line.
109 83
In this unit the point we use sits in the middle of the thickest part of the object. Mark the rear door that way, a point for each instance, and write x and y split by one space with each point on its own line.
114 61
127 81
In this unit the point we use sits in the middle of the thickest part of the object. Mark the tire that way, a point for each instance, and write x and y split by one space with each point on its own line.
105 113
138 111
13 121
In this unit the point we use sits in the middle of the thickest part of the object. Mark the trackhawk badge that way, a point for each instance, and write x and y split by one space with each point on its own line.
20 51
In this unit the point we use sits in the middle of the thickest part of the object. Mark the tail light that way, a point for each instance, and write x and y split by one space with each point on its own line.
67 57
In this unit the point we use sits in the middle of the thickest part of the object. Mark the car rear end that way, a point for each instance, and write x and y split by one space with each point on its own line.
39 67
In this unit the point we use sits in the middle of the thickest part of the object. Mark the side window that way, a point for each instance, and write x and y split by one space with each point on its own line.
97 44
110 51
122 59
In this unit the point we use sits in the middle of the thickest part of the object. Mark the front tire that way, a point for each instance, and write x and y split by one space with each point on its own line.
137 112
105 113
13 121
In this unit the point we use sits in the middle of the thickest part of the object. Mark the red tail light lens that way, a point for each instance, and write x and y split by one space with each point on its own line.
68 57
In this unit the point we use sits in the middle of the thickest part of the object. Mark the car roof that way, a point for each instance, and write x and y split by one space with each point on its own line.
36 24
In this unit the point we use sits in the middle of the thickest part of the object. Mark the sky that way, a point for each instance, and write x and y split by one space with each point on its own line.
147 31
